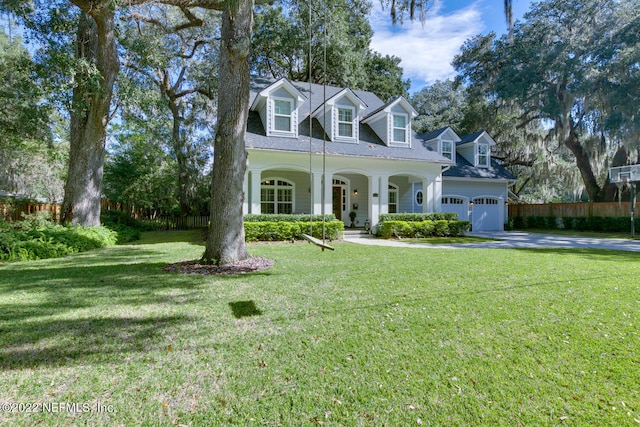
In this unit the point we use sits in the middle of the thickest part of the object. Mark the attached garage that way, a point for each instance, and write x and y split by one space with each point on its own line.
487 214
456 204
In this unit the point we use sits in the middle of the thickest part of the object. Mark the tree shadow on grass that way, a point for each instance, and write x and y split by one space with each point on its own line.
242 309
61 342
56 312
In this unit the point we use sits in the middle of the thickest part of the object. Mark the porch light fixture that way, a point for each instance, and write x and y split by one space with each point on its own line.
355 192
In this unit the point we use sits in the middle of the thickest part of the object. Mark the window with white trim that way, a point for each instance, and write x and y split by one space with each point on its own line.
276 196
483 155
447 149
282 115
345 122
419 197
399 134
393 199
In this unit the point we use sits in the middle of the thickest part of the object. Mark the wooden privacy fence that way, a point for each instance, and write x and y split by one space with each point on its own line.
15 210
566 210
183 222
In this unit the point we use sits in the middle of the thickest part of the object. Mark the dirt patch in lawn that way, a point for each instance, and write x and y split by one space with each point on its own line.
250 265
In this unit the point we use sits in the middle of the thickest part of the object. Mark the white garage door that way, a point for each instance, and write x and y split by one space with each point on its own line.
456 204
485 214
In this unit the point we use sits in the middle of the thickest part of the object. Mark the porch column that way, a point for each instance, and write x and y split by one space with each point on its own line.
429 195
384 194
316 193
245 193
328 193
374 199
256 178
437 194
426 202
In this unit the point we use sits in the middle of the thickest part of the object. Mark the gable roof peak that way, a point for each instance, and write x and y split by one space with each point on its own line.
398 100
344 93
280 83
434 134
476 136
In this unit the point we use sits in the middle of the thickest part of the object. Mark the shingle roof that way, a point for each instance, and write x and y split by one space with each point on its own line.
370 145
464 169
434 133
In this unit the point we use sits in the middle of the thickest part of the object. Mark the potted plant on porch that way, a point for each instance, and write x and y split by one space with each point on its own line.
352 215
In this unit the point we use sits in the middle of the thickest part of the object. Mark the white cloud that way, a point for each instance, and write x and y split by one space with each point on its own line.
426 49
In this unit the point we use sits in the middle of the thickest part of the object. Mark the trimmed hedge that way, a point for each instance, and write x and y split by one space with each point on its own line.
289 230
593 223
416 217
426 228
287 218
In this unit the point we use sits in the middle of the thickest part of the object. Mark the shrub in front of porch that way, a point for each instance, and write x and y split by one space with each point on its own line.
290 230
417 217
287 218
426 228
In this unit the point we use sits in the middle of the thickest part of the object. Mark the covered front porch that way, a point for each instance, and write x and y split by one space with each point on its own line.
281 183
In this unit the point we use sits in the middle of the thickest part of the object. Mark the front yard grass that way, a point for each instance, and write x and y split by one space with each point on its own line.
360 336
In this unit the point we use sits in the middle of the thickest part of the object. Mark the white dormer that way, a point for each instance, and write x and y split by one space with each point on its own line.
339 116
444 141
278 108
476 148
392 122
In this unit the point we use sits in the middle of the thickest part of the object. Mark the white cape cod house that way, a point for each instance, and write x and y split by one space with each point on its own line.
373 163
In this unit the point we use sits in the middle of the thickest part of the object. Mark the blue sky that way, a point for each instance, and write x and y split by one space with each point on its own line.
427 50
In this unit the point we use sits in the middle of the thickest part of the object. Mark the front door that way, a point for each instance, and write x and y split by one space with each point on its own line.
337 202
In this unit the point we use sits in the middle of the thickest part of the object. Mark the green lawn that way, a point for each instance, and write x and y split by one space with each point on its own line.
363 336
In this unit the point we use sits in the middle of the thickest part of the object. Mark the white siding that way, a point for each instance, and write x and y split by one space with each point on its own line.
381 128
468 153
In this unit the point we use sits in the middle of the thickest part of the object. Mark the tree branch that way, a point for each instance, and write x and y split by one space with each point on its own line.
197 44
192 21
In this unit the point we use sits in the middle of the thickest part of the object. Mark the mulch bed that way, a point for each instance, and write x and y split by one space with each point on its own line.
250 265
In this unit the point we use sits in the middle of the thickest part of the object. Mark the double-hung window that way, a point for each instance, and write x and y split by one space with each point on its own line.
393 198
345 122
282 113
483 155
276 196
447 149
400 128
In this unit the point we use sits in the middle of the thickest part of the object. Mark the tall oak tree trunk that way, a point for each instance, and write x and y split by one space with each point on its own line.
225 240
96 45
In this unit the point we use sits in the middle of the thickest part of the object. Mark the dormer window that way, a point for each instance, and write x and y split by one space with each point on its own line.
447 149
278 106
392 122
399 129
282 115
345 122
339 116
483 155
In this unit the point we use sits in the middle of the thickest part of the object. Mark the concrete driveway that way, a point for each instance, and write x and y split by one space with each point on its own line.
513 239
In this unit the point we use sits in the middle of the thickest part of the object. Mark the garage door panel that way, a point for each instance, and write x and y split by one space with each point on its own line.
486 214
457 205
